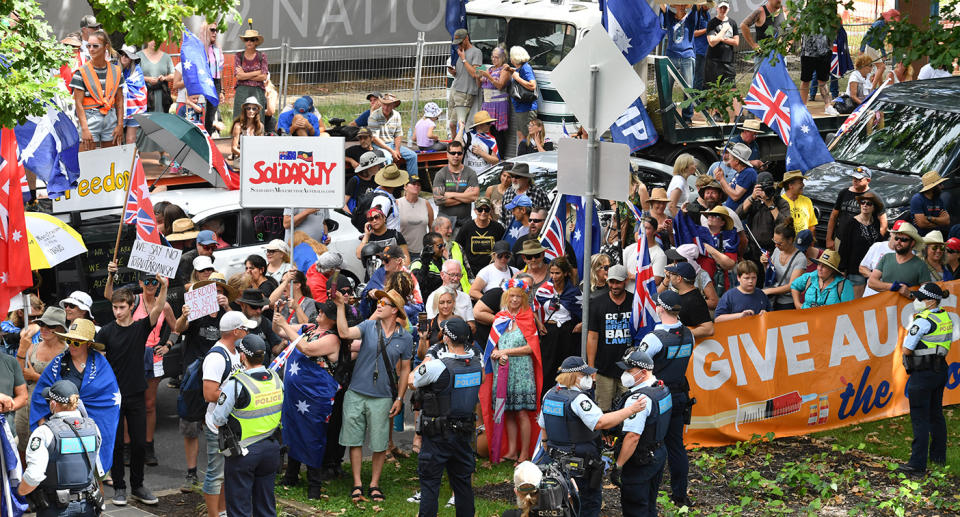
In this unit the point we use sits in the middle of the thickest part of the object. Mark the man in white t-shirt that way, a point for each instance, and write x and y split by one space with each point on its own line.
233 327
658 259
872 258
927 71
450 274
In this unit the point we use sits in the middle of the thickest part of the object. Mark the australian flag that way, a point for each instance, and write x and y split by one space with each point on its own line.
633 26
644 316
308 392
48 147
687 231
288 155
196 71
134 91
553 236
456 18
774 99
578 242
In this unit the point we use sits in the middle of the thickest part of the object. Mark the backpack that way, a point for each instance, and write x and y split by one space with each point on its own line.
359 216
191 406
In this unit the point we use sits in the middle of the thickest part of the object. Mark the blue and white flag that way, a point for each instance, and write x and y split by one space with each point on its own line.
634 127
48 147
577 239
308 392
633 26
774 99
11 503
99 393
195 70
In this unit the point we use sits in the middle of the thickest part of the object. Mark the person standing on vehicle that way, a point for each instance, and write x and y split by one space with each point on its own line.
466 76
743 182
924 357
928 207
847 205
815 54
748 135
455 186
723 38
640 453
480 146
680 23
670 345
571 421
766 20
248 415
62 460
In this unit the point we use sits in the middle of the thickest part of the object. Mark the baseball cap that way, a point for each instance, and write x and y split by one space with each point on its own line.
373 95
392 252
519 200
527 476
278 245
329 260
684 270
804 240
233 320
60 391
202 262
206 238
363 132
502 247
953 243
79 298
617 272
89 22
459 36
670 300
483 202
723 3
861 172
456 329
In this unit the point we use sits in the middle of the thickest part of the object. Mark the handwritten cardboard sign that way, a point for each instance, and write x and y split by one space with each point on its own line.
202 301
153 258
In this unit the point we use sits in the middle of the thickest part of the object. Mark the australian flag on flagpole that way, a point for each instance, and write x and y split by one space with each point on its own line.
456 18
578 238
48 147
308 392
633 26
196 71
773 98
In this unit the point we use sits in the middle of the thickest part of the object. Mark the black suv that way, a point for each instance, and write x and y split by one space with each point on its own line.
910 129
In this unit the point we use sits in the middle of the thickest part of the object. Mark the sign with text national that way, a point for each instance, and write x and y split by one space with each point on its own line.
291 171
802 371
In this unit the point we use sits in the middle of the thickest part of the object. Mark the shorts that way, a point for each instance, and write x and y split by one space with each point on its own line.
101 126
462 100
712 70
190 429
520 119
213 476
818 64
130 122
365 415
857 279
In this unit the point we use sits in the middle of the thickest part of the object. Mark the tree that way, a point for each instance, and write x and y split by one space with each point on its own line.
141 21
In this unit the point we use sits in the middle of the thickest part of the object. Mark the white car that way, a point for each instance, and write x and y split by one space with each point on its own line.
248 230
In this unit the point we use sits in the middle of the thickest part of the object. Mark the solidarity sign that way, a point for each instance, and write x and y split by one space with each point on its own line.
802 371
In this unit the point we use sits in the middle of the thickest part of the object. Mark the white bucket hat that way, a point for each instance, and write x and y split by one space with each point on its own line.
431 110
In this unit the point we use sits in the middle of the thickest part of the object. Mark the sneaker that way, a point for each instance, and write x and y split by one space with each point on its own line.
830 110
222 514
144 495
190 483
451 502
119 497
415 498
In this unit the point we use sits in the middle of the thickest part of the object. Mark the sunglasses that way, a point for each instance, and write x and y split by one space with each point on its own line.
271 251
532 220
903 239
374 218
482 209
209 246
214 29
531 257
207 270
253 108
937 247
606 268
503 255
249 39
74 342
865 203
382 303
455 153
69 306
151 281
93 46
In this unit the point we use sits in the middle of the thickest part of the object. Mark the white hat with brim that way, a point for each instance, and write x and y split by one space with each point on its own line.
367 160
78 298
741 152
908 230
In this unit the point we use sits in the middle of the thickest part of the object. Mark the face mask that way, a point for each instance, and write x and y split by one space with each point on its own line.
627 380
919 305
585 382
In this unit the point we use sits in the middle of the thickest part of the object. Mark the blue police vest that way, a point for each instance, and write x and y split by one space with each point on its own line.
66 467
565 431
456 392
656 426
670 363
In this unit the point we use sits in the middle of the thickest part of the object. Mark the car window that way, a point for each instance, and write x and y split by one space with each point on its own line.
486 32
546 42
261 225
225 225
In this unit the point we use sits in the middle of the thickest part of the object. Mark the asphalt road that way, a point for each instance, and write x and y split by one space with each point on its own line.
168 444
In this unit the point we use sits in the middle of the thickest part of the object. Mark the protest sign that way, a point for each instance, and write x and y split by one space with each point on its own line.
154 258
291 171
802 371
102 183
202 301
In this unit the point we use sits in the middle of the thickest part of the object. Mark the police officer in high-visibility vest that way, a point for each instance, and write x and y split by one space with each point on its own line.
924 356
63 462
572 422
670 344
640 453
248 418
450 390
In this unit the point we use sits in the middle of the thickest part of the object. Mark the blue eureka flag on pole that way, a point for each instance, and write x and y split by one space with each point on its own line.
456 18
308 391
634 127
577 238
633 26
48 147
196 71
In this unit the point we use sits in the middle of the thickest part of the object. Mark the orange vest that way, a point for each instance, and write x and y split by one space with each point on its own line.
96 97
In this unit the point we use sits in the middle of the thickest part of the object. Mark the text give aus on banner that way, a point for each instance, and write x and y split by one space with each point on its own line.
291 171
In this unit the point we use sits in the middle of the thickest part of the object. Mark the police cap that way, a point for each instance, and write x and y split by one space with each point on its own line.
635 358
60 391
251 345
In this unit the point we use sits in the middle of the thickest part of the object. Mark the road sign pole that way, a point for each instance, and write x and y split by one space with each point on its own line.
592 145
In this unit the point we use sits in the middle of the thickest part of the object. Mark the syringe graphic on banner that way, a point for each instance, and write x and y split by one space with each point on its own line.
778 406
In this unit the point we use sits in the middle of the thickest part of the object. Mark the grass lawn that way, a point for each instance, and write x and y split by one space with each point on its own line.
892 437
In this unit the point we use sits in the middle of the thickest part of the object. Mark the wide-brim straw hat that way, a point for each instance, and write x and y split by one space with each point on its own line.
790 176
217 278
931 179
659 194
395 299
531 247
831 259
722 212
391 176
183 230
482 117
874 198
252 33
83 330
389 98
909 230
753 125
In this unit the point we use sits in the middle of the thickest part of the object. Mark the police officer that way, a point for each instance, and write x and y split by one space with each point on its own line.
572 422
63 463
670 345
640 453
924 356
450 389
248 418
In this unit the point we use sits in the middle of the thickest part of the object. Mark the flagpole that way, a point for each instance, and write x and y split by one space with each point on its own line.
592 146
126 198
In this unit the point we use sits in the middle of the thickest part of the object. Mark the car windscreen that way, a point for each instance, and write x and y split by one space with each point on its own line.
486 32
546 42
900 137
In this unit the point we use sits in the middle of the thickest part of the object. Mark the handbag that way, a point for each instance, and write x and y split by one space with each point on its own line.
521 94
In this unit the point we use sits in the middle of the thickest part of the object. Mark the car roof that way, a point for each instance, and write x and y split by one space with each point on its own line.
938 94
200 202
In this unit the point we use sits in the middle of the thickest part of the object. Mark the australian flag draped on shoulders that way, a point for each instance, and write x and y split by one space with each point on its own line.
99 393
774 99
308 392
11 503
134 90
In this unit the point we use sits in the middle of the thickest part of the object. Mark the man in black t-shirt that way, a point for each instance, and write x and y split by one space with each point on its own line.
367 167
609 335
376 231
723 38
477 237
125 341
694 312
252 303
354 152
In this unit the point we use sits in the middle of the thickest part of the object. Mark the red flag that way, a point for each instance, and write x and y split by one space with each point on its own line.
139 208
230 179
14 253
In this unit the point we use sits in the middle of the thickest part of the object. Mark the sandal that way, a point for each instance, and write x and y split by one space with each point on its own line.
415 448
356 494
376 495
399 453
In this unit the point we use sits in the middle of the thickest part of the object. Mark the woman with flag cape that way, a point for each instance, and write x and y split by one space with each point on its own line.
99 392
510 399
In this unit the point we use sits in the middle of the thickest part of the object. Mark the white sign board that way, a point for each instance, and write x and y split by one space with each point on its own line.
618 85
102 182
613 169
154 258
291 171
202 301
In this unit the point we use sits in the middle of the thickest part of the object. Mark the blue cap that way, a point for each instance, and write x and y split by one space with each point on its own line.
804 240
575 363
684 270
206 238
519 200
303 104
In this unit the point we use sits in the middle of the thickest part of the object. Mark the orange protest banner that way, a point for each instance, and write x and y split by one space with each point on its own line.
802 371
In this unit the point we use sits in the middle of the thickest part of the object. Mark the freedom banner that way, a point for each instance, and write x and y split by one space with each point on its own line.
802 371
